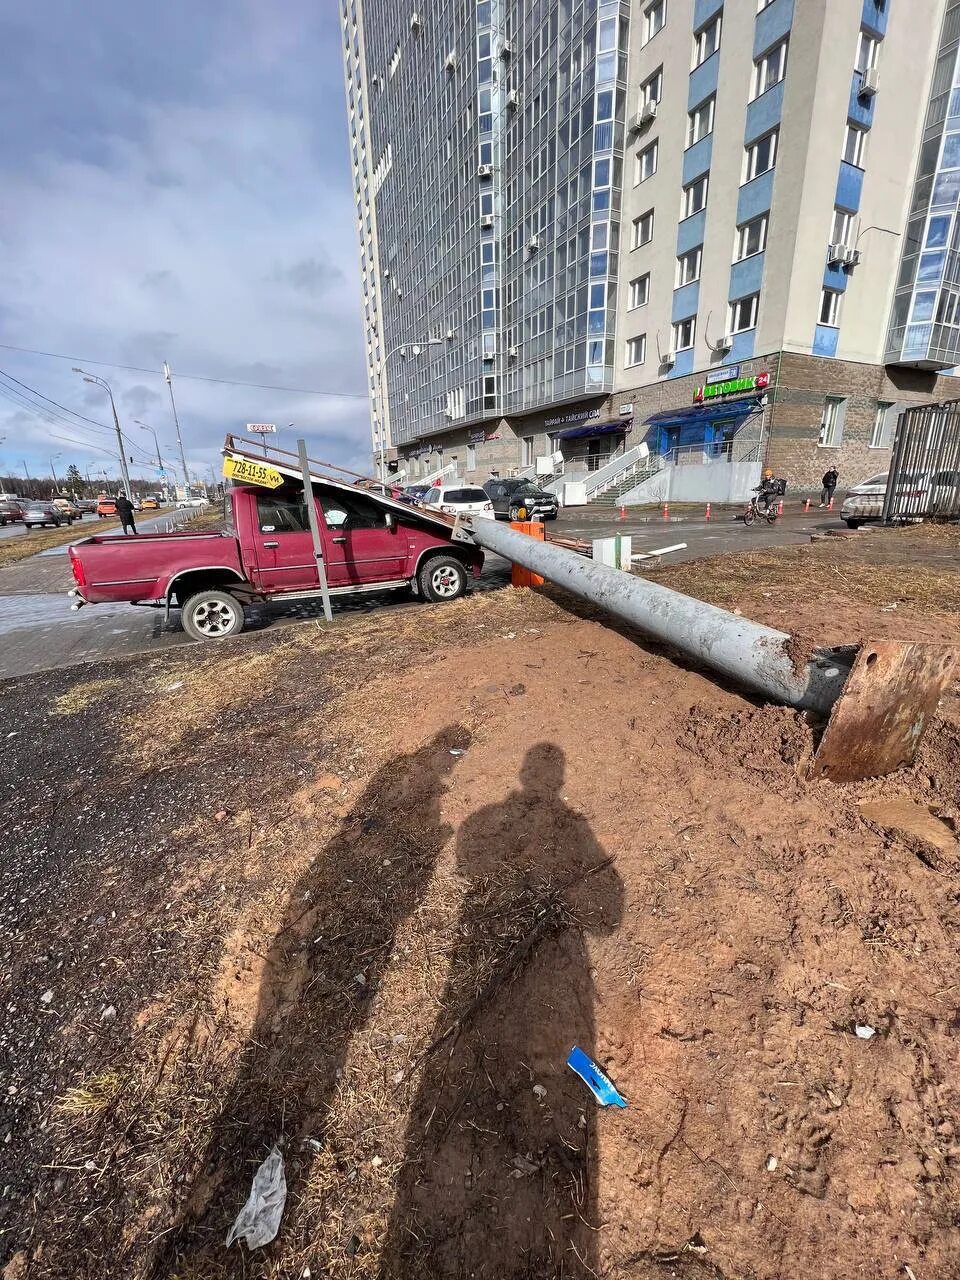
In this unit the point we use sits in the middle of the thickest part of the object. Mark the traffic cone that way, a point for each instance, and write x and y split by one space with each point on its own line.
706 514
806 505
780 507
830 505
666 512
623 512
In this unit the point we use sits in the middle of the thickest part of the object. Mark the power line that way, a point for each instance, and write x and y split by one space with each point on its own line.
33 391
194 377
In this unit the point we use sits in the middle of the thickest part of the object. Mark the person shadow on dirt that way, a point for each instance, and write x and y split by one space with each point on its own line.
320 979
499 1180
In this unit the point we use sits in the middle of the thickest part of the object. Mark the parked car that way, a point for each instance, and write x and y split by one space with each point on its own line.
106 507
192 502
11 510
88 506
44 513
521 500
369 542
864 502
459 500
414 493
67 508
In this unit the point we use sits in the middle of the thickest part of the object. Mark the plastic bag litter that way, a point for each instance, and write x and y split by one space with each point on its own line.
259 1220
597 1081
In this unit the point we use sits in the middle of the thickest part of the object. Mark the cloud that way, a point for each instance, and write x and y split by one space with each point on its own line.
202 215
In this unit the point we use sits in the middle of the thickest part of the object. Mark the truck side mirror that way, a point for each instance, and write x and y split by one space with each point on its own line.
390 520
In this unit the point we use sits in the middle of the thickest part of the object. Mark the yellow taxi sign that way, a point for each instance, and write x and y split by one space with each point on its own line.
247 472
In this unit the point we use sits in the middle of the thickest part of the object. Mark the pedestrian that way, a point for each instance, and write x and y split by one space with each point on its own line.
125 512
829 483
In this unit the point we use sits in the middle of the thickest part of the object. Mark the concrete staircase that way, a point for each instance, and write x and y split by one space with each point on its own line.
611 497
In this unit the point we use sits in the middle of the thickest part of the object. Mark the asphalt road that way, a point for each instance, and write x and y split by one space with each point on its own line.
38 631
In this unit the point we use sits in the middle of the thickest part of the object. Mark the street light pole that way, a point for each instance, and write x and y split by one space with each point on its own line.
416 348
56 482
168 376
155 441
102 382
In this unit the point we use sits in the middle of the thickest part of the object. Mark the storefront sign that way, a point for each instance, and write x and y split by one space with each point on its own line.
580 416
481 437
244 471
731 387
728 374
626 411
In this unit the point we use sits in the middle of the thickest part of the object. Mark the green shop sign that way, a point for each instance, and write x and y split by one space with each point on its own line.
719 389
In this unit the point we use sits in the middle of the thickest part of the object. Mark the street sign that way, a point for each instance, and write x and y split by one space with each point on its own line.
262 428
248 472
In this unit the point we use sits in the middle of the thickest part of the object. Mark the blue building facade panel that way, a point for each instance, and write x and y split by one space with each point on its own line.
696 159
690 232
835 277
764 113
874 15
686 301
825 340
684 365
755 197
746 277
703 11
703 81
744 345
849 186
772 24
860 109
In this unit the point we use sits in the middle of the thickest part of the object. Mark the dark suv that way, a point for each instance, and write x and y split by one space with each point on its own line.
11 510
521 500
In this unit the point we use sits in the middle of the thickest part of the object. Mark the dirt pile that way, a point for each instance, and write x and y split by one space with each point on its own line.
368 899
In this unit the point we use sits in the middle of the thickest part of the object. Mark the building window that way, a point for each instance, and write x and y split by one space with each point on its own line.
654 19
640 291
695 196
636 350
842 227
867 51
948 308
700 121
706 41
646 165
471 457
770 69
743 313
651 90
761 156
854 145
642 229
830 307
882 425
684 333
831 428
688 267
526 458
752 237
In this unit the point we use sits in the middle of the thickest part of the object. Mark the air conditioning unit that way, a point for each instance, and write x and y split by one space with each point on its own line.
514 98
486 221
489 356
836 254
669 357
533 244
451 61
506 49
513 352
451 334
646 114
725 343
870 82
851 257
484 170
416 22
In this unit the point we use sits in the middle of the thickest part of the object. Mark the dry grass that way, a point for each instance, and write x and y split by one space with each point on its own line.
91 1097
82 696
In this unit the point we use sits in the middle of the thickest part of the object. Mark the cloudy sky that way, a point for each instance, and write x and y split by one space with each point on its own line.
176 186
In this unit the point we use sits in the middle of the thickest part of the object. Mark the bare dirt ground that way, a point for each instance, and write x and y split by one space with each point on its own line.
359 892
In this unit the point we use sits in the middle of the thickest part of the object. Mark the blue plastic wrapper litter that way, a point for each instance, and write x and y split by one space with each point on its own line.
599 1084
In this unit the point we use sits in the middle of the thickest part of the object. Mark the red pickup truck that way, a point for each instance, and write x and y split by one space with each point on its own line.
370 543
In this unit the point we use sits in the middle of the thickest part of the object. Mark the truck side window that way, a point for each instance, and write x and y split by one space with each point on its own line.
277 513
343 510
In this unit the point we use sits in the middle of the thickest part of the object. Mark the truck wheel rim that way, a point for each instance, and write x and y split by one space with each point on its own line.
214 618
445 582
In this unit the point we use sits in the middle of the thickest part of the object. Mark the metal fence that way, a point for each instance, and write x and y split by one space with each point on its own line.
924 477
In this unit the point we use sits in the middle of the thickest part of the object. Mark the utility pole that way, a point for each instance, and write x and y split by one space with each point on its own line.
102 382
168 376
56 482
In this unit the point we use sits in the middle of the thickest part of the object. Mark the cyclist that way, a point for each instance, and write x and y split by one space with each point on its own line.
768 489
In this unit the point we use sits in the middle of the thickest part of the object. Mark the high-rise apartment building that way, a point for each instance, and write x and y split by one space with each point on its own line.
651 245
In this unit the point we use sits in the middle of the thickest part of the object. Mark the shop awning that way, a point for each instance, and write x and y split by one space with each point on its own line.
728 411
622 425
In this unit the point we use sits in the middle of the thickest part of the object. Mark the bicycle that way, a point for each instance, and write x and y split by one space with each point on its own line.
753 511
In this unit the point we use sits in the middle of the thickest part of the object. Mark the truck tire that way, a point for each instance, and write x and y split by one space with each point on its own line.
853 524
212 615
442 578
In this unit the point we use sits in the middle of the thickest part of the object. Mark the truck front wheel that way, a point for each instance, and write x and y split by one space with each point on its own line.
212 615
443 578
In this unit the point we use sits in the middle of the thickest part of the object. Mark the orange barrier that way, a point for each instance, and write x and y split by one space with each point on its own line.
519 576
706 514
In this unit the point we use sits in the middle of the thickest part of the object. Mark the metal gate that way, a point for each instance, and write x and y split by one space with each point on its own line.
924 479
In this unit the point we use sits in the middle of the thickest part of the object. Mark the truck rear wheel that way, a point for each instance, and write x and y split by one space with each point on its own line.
443 578
212 615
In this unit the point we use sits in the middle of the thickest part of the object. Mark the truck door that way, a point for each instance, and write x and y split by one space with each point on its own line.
361 546
282 542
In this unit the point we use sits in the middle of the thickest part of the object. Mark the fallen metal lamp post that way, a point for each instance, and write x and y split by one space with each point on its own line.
877 700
